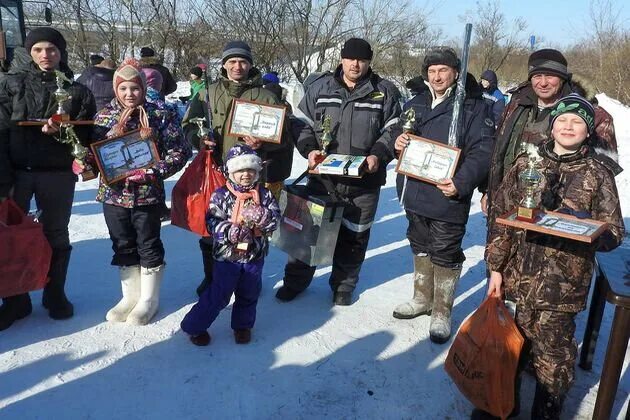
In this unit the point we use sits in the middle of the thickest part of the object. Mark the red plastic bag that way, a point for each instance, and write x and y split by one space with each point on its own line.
24 252
484 356
191 194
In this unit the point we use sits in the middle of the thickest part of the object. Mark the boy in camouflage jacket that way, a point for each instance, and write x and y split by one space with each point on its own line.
548 276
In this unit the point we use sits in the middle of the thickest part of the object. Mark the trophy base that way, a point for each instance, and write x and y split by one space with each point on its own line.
87 176
60 118
526 214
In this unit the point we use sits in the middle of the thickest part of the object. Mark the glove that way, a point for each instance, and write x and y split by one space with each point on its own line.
142 176
207 142
239 233
255 215
580 214
78 167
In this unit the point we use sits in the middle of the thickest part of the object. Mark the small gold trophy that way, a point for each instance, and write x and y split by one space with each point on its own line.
67 135
326 136
410 119
529 179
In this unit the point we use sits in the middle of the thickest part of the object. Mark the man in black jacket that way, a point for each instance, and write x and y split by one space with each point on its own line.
34 163
99 79
363 108
438 214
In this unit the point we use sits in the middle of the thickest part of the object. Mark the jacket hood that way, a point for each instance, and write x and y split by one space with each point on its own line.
584 86
546 149
491 77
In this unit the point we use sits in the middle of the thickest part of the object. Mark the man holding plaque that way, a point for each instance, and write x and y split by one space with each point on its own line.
360 108
438 212
34 163
238 79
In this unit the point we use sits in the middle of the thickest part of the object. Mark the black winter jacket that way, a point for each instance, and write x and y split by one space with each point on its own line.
26 94
99 81
169 85
475 141
361 121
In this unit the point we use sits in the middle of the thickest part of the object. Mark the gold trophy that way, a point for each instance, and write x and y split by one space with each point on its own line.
410 119
326 136
529 179
67 135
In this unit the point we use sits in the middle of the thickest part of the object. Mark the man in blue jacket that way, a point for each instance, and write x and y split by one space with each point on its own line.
438 214
492 95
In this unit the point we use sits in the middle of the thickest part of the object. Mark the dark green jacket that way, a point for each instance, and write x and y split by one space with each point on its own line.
221 94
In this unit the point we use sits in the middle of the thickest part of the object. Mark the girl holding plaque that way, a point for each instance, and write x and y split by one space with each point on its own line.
549 276
132 205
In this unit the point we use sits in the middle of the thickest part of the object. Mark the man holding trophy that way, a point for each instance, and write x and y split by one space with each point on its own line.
351 112
438 212
36 157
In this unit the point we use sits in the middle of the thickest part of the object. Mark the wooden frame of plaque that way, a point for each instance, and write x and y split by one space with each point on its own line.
427 160
558 224
262 121
117 157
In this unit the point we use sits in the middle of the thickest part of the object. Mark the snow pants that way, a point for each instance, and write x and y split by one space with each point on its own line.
135 235
441 241
244 280
351 245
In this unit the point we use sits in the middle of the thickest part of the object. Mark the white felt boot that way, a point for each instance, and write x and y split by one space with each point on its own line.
147 306
130 285
422 290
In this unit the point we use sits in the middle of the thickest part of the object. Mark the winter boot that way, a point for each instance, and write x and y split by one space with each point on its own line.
242 336
546 406
147 306
54 297
14 308
202 339
286 294
208 264
342 298
422 290
445 280
130 284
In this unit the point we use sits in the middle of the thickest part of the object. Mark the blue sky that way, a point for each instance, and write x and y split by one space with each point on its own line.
559 22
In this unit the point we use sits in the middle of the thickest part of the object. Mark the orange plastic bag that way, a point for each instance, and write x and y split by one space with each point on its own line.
484 356
192 192
24 252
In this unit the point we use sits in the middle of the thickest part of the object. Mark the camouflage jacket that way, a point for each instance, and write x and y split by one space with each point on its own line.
548 272
523 122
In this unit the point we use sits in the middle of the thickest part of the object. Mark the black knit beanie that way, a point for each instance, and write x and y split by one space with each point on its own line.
96 59
440 55
147 52
196 71
547 61
357 48
47 34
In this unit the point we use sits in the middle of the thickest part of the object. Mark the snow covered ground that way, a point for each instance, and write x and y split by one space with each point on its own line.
308 359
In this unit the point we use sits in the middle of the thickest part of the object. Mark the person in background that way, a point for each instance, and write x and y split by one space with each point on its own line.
98 79
492 95
149 59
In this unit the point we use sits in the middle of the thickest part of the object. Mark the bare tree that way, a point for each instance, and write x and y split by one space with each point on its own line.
495 39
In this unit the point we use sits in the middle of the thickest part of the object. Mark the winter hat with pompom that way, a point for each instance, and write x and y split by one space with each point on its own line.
240 157
130 71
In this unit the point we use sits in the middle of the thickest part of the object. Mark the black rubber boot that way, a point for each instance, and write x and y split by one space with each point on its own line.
54 298
546 406
14 308
342 298
205 244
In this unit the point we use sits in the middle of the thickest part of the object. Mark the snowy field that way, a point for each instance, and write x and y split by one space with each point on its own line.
308 359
